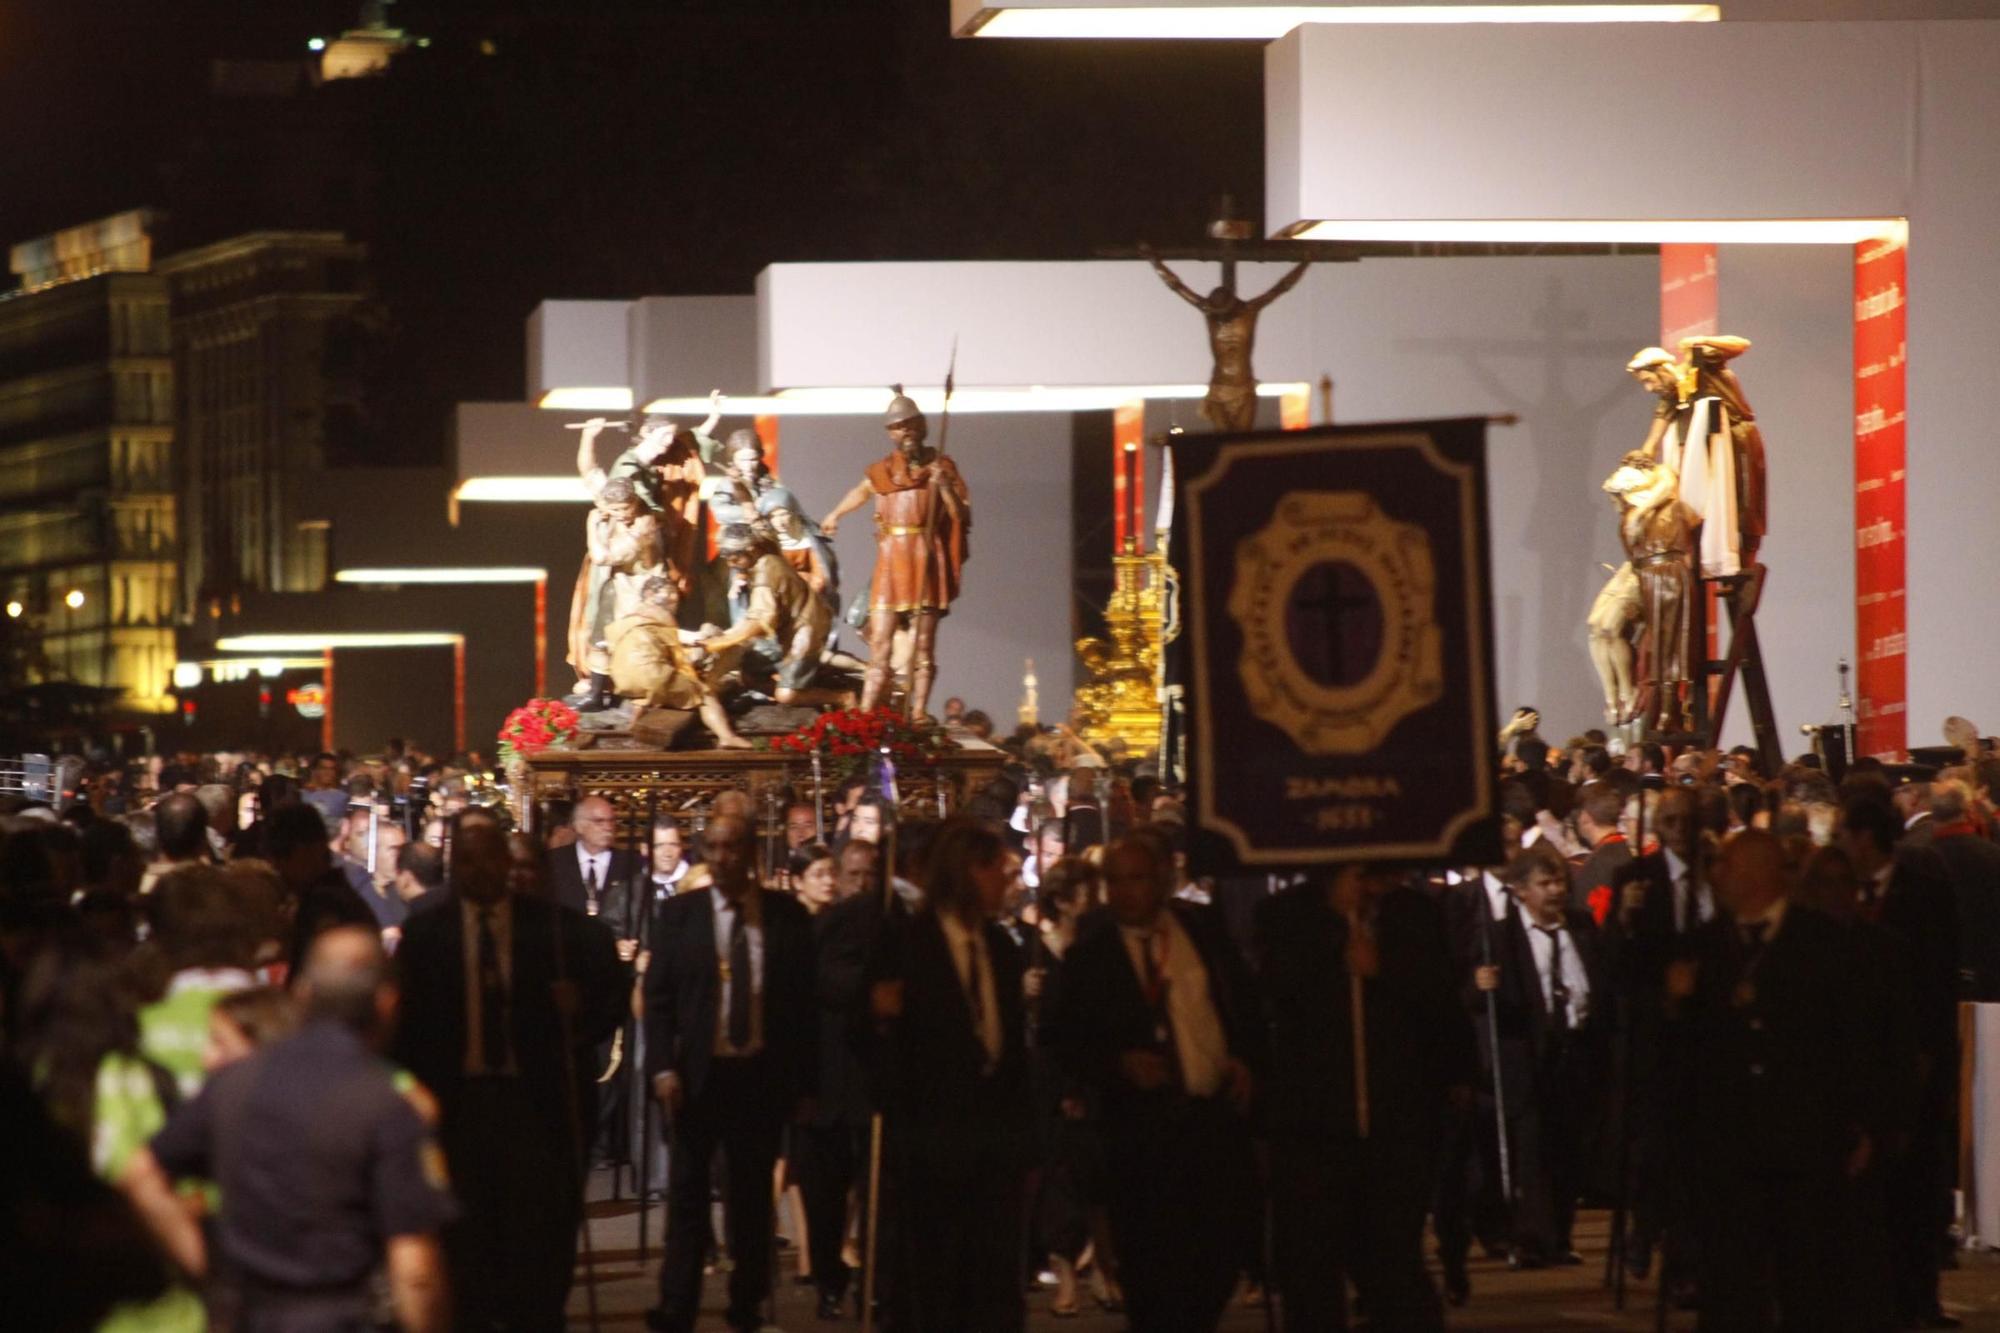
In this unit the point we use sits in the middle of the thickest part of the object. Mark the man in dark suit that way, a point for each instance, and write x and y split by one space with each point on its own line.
1907 892
947 992
1598 807
1910 791
1355 1130
1470 1198
592 876
1662 898
1549 987
834 1145
1781 1086
504 997
295 842
1083 818
605 882
1973 861
1157 1021
731 1035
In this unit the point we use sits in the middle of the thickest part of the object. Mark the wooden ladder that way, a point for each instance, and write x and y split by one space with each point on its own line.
1737 596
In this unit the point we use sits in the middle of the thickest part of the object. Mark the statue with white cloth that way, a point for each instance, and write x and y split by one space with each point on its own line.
1704 431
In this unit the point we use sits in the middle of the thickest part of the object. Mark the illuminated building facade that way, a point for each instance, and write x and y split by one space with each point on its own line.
88 536
266 348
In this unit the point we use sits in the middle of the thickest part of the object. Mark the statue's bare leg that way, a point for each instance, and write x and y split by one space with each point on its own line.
1611 616
881 652
716 718
923 664
815 696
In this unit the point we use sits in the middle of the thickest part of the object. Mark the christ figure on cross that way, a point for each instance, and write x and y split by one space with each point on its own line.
1231 404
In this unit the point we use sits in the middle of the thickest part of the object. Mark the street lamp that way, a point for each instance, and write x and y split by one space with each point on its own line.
14 610
73 599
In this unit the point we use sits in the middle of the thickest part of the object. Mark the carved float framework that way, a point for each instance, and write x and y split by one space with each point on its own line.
643 784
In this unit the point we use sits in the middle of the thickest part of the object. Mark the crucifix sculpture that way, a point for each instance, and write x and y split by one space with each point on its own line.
1231 404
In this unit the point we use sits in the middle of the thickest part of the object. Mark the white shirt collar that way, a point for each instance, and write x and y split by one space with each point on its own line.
210 978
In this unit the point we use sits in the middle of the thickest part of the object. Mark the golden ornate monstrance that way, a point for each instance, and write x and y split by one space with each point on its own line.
1121 700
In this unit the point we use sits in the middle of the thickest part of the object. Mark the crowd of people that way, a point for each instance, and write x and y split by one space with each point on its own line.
329 1044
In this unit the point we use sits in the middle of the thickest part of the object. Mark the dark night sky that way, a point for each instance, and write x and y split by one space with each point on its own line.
614 148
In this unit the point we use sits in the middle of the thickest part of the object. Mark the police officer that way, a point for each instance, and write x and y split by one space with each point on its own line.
325 1170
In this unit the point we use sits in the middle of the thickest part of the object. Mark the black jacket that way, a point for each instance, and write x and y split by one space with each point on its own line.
939 1085
1783 1057
845 937
1974 864
1919 908
1100 1011
683 996
548 941
615 902
1420 1040
1529 1033
1598 873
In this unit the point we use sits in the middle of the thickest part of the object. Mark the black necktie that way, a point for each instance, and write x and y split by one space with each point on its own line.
1558 988
590 885
1753 939
492 996
739 981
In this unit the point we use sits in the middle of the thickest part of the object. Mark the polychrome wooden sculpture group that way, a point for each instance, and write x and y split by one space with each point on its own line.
656 625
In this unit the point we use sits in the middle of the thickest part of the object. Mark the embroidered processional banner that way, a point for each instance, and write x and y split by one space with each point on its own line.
1338 665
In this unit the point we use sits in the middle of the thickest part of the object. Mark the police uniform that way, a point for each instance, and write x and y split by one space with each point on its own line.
320 1162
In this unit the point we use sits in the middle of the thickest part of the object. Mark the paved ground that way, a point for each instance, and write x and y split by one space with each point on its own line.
1550 1301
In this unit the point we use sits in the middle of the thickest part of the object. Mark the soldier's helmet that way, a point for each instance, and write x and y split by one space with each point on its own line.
902 407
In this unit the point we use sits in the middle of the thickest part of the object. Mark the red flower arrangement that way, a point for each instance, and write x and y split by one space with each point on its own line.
851 735
536 725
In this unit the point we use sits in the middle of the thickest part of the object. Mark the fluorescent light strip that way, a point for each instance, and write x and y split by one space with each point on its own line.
1632 231
319 643
259 664
846 400
835 401
437 574
603 399
1269 22
566 488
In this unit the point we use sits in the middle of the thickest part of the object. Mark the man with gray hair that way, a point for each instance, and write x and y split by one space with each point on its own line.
326 1170
218 802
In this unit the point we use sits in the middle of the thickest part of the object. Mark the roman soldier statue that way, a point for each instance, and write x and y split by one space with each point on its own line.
923 514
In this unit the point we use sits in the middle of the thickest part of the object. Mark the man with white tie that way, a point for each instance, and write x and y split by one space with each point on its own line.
1157 1020
1548 988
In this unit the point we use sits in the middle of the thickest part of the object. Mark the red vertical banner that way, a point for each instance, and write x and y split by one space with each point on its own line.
1128 432
541 636
326 695
1689 304
1881 609
458 695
